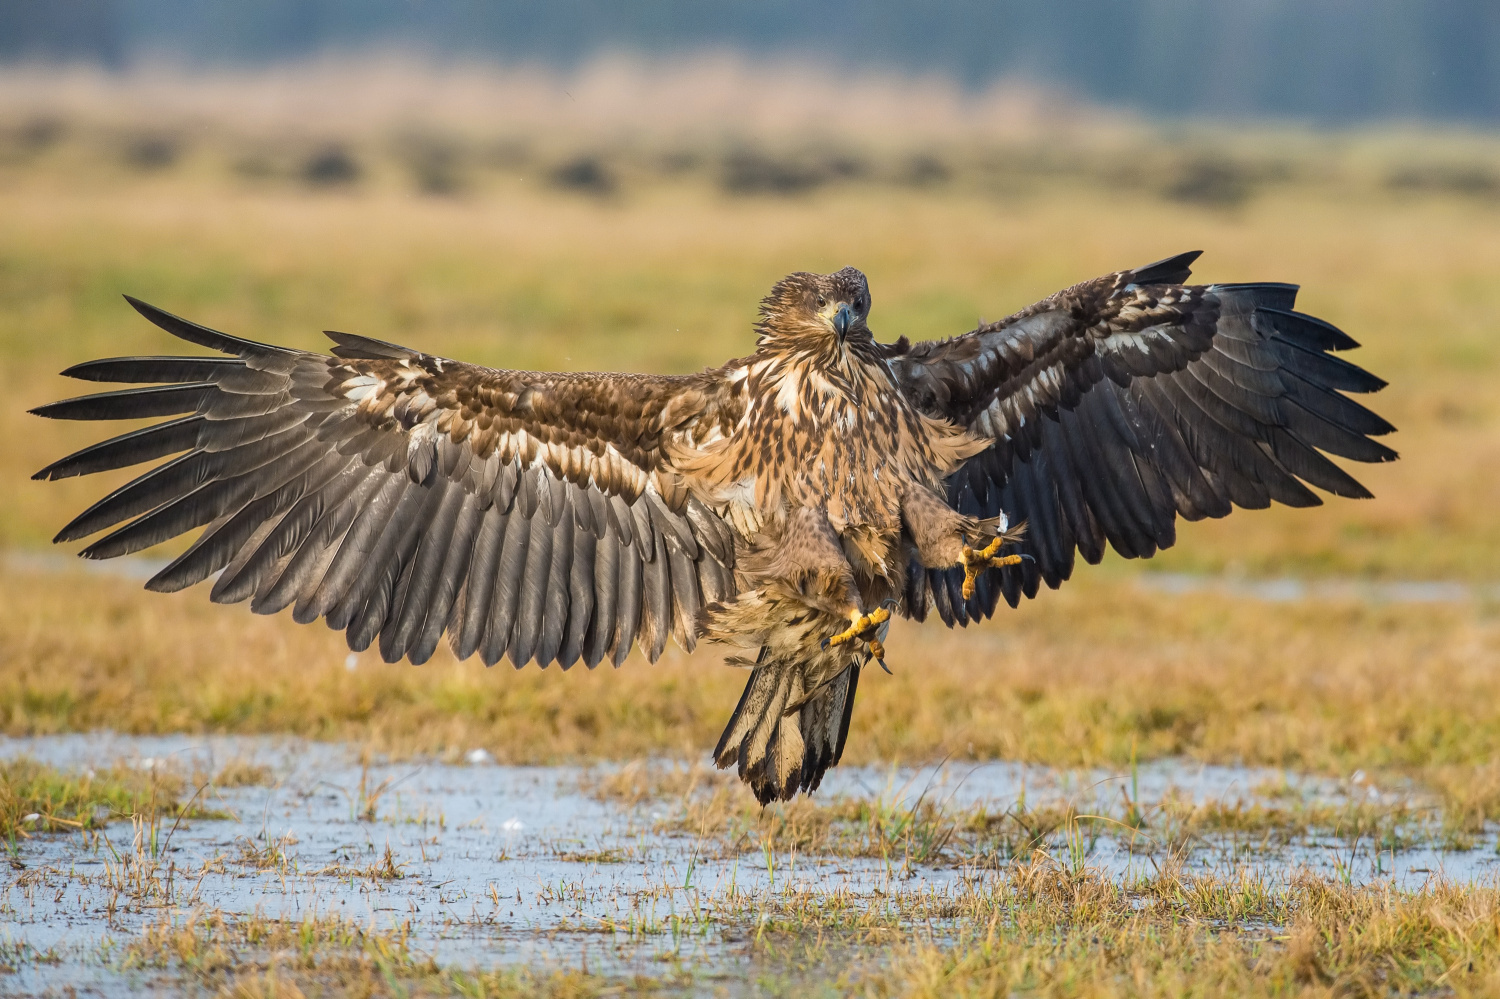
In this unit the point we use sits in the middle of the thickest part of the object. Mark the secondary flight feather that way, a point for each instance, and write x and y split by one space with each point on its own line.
788 503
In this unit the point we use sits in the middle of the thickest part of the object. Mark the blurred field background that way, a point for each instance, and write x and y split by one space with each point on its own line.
629 215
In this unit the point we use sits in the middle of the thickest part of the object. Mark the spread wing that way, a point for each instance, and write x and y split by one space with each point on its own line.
400 495
1121 403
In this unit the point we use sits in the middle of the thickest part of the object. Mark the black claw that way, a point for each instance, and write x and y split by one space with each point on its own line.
823 646
885 667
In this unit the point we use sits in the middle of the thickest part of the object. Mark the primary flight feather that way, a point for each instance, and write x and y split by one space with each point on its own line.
788 502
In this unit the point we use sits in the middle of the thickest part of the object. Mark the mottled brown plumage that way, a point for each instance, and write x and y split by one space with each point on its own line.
786 503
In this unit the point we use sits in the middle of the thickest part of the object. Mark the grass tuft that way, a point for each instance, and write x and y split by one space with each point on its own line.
36 797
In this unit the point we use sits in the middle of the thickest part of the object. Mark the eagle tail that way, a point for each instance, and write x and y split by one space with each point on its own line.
782 736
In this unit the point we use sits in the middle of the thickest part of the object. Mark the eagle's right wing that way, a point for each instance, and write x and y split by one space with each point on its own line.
400 495
1122 403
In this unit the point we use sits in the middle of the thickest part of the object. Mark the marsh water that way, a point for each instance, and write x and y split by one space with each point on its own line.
481 865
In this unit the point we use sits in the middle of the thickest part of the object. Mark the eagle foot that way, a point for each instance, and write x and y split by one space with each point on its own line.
863 626
975 562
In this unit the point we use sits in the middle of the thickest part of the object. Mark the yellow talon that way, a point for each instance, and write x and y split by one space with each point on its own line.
975 562
862 625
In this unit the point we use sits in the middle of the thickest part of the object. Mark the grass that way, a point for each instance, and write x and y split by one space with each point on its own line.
1083 676
664 276
36 797
1042 931
918 826
259 957
669 282
1059 936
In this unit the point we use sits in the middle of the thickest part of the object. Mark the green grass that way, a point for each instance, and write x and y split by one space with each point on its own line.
36 797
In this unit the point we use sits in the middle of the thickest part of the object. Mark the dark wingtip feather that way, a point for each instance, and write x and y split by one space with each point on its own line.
201 335
1171 270
152 369
1308 331
126 449
56 470
130 404
168 580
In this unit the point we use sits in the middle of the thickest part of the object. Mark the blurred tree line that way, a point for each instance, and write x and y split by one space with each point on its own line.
1329 61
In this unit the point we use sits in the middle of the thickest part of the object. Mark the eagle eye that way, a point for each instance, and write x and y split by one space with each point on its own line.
822 301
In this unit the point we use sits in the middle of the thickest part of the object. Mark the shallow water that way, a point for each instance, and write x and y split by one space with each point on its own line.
517 865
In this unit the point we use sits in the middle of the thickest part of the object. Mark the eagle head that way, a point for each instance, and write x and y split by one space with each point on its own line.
817 311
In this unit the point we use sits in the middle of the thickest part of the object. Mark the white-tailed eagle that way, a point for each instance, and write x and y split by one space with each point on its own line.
789 502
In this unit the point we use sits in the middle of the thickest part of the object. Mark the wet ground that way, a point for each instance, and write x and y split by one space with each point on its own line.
486 865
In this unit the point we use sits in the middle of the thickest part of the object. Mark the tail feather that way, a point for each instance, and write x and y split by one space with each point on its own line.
825 726
764 756
783 738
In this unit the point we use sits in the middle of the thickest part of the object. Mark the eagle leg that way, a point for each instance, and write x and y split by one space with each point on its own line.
864 627
988 557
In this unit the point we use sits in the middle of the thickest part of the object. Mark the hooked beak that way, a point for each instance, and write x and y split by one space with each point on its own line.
841 321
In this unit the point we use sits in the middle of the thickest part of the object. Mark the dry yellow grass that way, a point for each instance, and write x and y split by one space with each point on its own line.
1061 936
665 278
1078 677
1042 932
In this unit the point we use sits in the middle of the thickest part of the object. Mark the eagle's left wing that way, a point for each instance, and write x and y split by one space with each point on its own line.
1120 403
399 495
